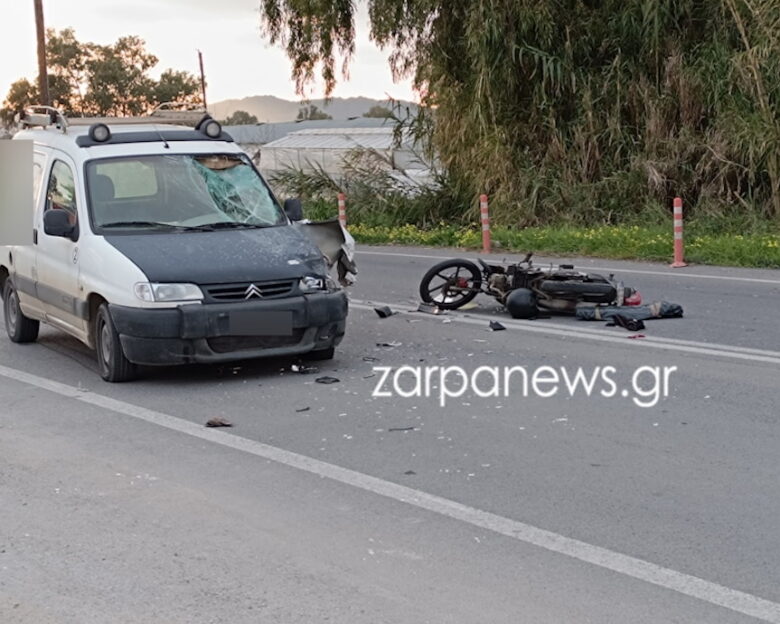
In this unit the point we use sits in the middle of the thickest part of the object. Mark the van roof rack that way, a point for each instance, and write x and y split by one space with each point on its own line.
169 112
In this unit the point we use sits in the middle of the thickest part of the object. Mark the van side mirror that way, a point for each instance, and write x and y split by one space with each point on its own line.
293 209
57 223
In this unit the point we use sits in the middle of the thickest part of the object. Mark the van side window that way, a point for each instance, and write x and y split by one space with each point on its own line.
61 192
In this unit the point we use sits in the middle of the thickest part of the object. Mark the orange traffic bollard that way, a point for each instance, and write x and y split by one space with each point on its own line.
679 247
485 219
343 209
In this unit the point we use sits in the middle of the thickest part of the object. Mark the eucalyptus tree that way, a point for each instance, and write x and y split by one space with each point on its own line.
574 109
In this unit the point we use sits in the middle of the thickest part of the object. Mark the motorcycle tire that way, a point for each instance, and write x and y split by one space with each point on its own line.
449 273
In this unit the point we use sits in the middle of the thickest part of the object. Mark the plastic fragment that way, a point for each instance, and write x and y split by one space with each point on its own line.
429 308
383 311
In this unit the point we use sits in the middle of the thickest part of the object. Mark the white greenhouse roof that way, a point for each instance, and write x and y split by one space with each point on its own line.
336 138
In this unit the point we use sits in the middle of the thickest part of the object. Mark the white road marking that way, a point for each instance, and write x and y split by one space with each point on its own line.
686 584
670 273
552 329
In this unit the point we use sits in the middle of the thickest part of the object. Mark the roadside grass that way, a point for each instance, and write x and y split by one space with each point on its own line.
708 240
653 243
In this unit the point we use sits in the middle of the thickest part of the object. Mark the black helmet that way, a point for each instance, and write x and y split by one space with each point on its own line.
521 304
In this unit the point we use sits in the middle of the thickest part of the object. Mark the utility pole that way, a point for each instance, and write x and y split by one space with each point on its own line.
202 79
43 78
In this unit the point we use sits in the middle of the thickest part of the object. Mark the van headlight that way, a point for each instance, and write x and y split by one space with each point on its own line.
313 283
168 292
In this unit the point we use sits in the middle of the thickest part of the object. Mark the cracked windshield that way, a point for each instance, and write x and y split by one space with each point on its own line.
179 191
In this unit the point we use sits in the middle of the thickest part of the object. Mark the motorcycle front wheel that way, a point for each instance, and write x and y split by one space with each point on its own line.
451 284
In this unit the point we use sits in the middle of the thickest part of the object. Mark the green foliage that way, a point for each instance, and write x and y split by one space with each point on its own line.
240 118
381 212
378 193
310 111
90 79
618 242
577 110
21 94
379 112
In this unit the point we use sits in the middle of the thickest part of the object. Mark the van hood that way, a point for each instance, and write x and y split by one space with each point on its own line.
222 257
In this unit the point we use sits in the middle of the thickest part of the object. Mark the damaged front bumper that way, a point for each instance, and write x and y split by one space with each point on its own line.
203 333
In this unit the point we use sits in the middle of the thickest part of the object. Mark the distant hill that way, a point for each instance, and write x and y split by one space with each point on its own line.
268 108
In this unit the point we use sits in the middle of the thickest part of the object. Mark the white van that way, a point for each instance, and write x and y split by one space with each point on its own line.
157 244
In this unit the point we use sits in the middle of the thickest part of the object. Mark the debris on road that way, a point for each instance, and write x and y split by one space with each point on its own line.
303 409
496 326
430 308
327 380
410 472
219 422
401 429
631 324
303 369
384 311
636 336
389 344
370 358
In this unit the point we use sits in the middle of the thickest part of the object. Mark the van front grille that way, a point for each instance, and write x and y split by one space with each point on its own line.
247 291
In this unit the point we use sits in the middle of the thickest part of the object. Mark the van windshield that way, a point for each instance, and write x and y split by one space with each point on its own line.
179 192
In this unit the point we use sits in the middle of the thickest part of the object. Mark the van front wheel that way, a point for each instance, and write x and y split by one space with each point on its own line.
114 366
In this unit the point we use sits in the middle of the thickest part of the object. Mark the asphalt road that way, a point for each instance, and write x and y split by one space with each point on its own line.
326 503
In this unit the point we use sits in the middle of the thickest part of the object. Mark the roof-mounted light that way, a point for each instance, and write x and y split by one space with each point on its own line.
210 127
99 133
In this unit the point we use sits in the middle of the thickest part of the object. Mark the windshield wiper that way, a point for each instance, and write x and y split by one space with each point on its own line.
154 224
207 227
226 225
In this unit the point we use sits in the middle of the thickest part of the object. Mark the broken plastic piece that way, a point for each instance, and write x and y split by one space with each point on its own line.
303 409
401 429
389 344
496 326
383 311
429 308
327 380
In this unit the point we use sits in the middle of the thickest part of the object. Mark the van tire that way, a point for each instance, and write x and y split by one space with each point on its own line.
114 366
321 355
20 329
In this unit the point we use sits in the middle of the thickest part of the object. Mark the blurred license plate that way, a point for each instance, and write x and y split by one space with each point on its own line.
268 323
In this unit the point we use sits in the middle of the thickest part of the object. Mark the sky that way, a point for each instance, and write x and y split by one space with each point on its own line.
238 61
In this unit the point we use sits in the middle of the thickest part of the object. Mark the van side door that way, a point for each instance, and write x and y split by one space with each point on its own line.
58 256
24 271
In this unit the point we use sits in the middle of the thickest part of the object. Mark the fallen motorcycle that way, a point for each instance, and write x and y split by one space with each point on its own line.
522 287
